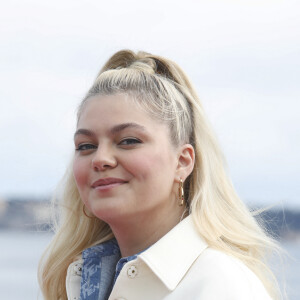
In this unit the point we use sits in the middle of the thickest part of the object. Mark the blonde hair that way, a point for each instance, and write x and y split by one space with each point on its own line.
160 87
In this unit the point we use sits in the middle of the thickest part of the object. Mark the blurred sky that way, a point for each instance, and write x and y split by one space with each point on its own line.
242 56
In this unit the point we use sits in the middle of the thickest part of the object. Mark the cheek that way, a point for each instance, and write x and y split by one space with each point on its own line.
79 172
149 165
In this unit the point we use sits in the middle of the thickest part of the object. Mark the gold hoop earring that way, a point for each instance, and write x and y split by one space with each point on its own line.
181 193
84 212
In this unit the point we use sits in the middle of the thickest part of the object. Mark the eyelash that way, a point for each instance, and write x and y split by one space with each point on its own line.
129 141
84 147
135 141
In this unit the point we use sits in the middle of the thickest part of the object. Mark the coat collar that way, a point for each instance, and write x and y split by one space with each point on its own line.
172 256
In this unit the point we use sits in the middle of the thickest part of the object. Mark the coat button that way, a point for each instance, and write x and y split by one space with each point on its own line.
77 269
132 271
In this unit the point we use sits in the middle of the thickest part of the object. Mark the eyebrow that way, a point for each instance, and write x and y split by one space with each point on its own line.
123 126
113 130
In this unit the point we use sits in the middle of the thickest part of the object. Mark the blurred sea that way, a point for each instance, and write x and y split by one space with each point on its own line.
20 253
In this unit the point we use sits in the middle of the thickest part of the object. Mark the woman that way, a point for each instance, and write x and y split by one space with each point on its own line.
148 211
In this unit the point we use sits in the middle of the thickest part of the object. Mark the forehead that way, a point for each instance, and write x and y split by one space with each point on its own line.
108 110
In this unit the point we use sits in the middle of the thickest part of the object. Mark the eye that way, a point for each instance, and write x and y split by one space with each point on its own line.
129 141
83 147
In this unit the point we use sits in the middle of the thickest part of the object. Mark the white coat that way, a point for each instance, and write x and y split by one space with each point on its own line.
180 266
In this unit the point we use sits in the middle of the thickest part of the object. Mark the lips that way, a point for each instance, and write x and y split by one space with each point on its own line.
108 182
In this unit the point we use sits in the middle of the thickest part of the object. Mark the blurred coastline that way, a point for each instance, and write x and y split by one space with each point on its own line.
29 214
26 223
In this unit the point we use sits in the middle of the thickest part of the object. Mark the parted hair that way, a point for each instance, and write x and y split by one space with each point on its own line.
161 88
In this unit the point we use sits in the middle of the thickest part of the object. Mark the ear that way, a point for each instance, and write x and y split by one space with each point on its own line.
186 160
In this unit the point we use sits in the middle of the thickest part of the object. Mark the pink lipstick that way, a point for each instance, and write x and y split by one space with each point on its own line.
107 183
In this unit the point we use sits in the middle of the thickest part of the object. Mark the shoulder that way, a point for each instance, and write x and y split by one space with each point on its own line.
223 276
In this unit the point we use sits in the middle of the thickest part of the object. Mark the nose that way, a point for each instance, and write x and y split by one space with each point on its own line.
104 159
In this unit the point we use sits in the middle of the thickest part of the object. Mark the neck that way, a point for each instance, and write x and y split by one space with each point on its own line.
136 234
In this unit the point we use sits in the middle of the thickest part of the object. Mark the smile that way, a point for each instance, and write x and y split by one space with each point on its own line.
107 183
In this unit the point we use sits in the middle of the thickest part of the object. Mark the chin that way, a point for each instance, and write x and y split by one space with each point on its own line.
109 213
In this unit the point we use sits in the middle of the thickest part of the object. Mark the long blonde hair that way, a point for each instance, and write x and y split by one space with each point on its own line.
161 88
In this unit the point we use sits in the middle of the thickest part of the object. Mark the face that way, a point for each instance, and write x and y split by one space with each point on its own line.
125 164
